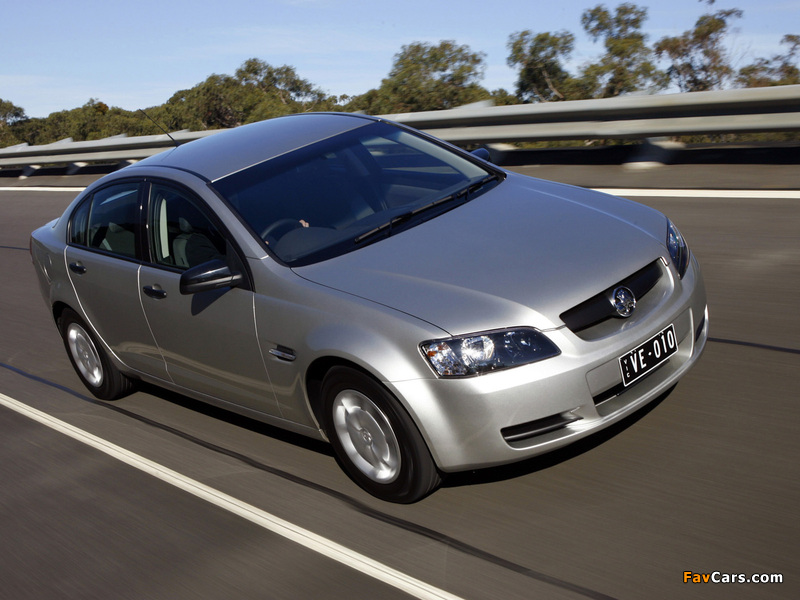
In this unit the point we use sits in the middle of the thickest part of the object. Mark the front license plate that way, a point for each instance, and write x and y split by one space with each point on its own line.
644 358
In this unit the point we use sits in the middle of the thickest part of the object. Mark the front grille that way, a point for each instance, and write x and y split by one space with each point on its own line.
600 307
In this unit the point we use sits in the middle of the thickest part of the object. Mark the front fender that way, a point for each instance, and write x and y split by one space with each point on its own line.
304 325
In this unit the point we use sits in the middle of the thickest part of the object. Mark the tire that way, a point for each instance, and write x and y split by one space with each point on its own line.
90 361
374 439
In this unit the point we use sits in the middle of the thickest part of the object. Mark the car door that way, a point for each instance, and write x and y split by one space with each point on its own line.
103 261
208 339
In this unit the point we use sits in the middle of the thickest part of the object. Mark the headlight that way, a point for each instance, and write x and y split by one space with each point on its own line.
678 250
480 353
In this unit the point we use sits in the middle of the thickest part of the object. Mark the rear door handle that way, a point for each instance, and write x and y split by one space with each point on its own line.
154 292
77 267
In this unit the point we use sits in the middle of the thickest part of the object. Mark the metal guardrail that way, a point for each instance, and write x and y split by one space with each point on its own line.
117 148
631 117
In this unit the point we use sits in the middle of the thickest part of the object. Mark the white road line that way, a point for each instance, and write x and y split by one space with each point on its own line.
34 188
312 541
627 192
755 194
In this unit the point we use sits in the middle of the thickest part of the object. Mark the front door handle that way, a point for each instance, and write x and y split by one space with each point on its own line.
77 267
154 292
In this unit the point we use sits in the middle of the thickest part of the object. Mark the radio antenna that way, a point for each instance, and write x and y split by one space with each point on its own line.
157 124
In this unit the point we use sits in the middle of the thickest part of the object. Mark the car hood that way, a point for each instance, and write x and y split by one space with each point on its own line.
520 254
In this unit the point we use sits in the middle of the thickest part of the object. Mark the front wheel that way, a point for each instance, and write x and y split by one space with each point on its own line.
374 439
90 360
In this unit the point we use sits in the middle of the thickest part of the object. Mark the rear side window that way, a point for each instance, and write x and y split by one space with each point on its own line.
109 220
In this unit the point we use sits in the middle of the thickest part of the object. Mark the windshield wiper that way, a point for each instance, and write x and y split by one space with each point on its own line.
476 185
463 194
384 226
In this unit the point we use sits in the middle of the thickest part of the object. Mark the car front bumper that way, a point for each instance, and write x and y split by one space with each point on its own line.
511 415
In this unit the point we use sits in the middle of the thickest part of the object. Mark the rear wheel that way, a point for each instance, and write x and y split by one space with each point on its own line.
374 439
90 360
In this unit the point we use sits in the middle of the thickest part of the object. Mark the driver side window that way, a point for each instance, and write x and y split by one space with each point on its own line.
182 236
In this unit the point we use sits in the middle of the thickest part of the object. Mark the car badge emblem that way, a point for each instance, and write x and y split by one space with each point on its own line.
624 301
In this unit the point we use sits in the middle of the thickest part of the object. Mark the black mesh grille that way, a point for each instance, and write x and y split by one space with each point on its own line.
600 307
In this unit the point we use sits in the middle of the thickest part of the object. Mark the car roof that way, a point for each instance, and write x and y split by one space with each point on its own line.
232 150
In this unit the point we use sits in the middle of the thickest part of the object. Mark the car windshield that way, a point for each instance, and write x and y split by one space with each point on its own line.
350 190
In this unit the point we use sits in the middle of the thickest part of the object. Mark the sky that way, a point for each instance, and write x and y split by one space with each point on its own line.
58 55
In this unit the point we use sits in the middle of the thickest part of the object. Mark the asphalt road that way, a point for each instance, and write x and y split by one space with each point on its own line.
704 481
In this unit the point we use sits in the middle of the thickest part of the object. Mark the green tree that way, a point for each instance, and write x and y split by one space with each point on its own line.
540 57
427 77
626 65
257 91
781 69
86 123
281 84
92 121
218 102
697 58
10 115
502 97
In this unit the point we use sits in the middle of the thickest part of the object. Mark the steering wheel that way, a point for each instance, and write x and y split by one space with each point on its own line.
287 224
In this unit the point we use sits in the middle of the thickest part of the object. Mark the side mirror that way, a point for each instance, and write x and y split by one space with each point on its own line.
210 275
482 153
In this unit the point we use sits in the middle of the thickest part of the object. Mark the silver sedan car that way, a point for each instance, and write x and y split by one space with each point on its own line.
357 281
